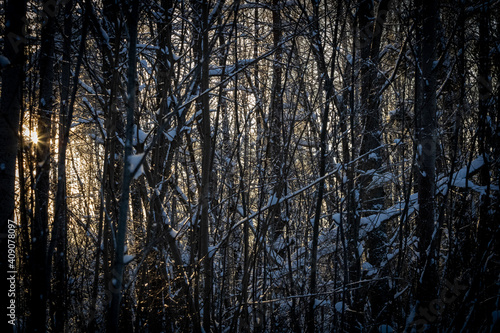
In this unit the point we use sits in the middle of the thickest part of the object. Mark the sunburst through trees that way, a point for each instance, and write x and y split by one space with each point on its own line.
250 166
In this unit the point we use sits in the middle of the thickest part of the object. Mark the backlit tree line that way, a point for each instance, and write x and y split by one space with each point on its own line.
251 166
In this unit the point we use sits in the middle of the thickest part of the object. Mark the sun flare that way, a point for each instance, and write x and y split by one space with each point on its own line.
30 135
34 137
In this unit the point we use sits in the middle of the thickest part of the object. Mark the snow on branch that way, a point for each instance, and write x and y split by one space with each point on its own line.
461 178
135 165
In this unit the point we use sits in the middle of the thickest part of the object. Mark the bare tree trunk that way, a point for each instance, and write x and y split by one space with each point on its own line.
348 124
206 171
162 155
371 23
58 308
39 261
426 123
111 51
485 273
275 123
108 210
58 243
116 287
326 84
10 107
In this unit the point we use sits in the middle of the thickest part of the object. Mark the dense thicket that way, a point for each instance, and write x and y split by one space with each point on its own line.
263 166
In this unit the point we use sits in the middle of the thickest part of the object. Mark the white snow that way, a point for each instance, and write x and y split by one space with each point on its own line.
86 87
230 69
135 163
459 178
186 128
339 305
127 258
273 200
173 233
370 270
475 165
373 221
320 302
381 179
495 315
399 293
360 249
145 65
211 251
240 210
175 56
139 136
385 329
171 134
215 72
4 61
104 35
349 59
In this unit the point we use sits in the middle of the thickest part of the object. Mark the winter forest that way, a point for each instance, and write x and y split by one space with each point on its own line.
250 166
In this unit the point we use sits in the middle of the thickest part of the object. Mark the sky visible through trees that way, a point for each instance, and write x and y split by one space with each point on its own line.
250 166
